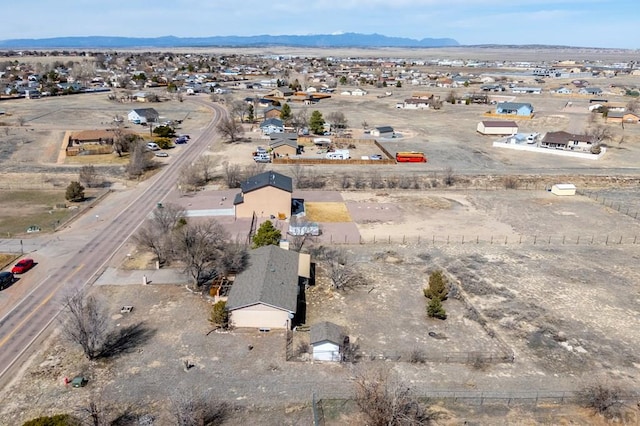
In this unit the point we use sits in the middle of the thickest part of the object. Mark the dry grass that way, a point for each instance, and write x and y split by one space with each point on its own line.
98 159
327 212
6 259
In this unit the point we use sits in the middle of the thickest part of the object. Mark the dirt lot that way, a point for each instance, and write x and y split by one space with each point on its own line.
564 310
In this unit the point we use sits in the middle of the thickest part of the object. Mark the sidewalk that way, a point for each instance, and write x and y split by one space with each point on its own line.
114 276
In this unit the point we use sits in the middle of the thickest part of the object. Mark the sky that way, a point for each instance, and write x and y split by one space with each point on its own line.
585 23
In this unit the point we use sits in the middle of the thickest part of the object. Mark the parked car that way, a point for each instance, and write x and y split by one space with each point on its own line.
6 279
22 266
375 157
181 140
152 146
161 154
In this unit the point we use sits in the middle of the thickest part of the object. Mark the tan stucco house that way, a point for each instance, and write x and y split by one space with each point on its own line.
265 295
267 195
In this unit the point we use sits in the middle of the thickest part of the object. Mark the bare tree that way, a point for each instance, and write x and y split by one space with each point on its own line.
633 105
343 274
252 170
337 120
386 401
139 161
189 178
600 133
201 248
87 324
167 217
230 129
239 109
88 176
21 120
205 165
449 176
197 409
150 237
300 119
232 174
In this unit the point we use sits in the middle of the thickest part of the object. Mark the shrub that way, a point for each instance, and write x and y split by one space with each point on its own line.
603 399
56 420
511 182
75 192
437 286
219 314
164 143
435 309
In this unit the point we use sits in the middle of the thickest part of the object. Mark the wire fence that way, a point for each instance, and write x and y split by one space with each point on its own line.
624 208
530 399
514 239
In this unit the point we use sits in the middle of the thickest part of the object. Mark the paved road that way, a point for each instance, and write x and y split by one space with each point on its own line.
73 259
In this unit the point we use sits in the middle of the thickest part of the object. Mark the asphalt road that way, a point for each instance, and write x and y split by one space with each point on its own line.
74 259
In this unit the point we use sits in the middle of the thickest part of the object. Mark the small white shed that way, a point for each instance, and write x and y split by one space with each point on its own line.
563 189
327 341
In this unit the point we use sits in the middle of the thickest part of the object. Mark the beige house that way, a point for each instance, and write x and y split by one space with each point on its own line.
266 294
497 128
265 195
285 146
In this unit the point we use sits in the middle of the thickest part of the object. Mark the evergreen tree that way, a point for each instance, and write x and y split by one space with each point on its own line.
267 234
437 286
75 192
285 113
316 122
435 309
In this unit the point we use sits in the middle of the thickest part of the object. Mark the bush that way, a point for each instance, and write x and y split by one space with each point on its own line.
57 420
267 234
437 286
219 314
435 309
164 143
511 182
75 192
164 131
605 400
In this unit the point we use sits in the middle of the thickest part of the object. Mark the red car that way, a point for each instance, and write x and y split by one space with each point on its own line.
23 266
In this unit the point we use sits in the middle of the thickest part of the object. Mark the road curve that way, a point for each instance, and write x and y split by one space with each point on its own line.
30 318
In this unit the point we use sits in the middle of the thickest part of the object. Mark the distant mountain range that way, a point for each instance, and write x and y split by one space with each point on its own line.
318 40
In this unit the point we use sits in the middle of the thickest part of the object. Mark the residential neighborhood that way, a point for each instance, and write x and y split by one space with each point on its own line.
272 228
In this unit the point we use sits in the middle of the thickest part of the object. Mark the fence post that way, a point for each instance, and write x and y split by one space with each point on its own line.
434 239
463 239
578 240
592 239
477 239
535 238
505 240
606 243
345 238
447 239
549 239
620 242
331 238
520 239
374 238
634 239
404 239
563 238
389 238
492 239
418 239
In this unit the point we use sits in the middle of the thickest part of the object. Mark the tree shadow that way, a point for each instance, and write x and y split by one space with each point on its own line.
126 339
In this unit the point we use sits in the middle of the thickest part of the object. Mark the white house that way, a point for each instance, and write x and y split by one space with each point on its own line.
327 341
563 189
497 127
143 115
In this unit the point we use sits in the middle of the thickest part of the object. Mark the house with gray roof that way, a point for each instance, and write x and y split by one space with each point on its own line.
327 341
267 195
514 108
143 115
265 295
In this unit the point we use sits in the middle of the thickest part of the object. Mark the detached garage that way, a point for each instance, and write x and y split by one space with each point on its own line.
505 128
563 189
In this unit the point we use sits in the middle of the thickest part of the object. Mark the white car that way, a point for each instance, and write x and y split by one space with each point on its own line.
161 154
153 146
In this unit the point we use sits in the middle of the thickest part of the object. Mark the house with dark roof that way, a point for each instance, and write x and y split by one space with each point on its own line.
284 144
266 195
272 112
265 295
143 115
514 108
622 117
327 341
567 141
272 125
383 132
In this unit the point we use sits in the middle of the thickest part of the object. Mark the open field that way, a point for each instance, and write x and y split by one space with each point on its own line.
327 212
